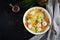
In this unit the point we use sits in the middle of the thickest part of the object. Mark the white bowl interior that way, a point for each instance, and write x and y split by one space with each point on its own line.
47 14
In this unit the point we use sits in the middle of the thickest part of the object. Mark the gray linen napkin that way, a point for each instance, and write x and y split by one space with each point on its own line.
56 21
49 7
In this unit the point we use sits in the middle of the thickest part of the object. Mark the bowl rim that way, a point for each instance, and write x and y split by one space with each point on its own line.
47 14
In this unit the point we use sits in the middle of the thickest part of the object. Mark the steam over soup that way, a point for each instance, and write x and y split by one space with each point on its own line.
37 20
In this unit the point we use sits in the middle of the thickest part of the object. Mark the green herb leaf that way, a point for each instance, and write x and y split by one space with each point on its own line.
26 19
37 21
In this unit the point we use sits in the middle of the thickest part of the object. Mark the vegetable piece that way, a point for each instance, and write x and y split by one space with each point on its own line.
28 15
29 21
43 27
32 12
39 25
34 24
29 26
26 19
44 23
47 20
36 21
38 11
39 29
26 23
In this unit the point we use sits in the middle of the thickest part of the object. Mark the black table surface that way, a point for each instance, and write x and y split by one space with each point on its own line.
11 24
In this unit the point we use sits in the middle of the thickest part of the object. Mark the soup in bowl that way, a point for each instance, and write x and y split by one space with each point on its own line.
37 20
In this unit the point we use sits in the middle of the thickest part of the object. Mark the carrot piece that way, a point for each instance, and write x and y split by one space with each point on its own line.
47 20
35 24
43 27
28 16
38 11
26 24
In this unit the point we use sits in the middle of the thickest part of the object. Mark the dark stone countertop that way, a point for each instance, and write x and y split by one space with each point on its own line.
11 24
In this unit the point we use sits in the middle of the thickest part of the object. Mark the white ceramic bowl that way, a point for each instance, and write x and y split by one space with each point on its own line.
47 14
